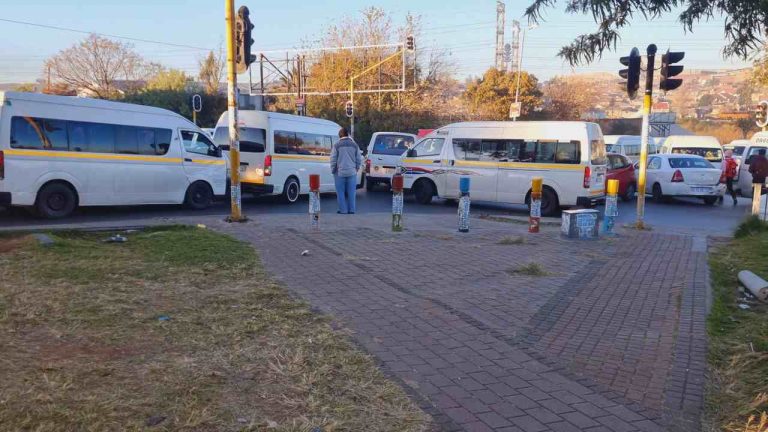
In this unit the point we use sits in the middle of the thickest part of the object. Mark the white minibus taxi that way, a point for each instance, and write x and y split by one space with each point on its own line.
59 152
758 142
278 152
707 147
501 158
630 145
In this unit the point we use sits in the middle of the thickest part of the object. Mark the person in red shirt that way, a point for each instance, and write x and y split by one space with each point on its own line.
730 168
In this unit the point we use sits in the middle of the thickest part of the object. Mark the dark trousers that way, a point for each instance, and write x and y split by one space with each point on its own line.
729 187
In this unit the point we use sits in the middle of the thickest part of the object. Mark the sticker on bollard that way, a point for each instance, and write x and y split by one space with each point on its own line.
464 204
397 202
535 217
314 201
611 206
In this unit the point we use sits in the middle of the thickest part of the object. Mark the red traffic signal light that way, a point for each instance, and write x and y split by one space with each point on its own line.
669 70
632 72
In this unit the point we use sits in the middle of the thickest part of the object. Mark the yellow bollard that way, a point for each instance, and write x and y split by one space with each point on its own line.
537 184
611 205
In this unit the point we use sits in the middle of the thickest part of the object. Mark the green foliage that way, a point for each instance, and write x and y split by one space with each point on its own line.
489 97
180 101
745 27
169 79
751 226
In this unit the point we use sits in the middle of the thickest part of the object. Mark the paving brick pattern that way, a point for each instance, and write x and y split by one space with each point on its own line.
612 339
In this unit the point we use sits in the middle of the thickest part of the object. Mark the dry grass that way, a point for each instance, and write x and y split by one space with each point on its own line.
509 241
738 351
178 329
530 269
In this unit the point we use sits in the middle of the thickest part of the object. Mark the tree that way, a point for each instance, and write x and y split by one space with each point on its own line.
745 22
26 88
211 70
98 64
169 79
489 98
568 98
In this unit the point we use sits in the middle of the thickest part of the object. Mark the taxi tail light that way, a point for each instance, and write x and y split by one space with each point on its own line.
2 165
267 165
587 177
367 166
677 177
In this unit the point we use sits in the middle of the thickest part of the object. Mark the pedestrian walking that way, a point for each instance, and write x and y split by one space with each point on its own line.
345 164
730 166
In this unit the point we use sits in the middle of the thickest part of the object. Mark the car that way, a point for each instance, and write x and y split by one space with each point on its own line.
620 168
682 175
383 155
744 178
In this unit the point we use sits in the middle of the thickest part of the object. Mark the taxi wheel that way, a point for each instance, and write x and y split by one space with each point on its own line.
199 196
291 190
55 200
424 190
549 203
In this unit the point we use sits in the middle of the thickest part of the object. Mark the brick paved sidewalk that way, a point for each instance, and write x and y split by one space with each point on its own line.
611 339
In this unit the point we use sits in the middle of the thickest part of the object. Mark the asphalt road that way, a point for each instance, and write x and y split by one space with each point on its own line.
679 216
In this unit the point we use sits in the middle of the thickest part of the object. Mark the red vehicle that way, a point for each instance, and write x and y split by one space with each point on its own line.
621 168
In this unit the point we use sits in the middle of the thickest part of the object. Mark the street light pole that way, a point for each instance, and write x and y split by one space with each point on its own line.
520 65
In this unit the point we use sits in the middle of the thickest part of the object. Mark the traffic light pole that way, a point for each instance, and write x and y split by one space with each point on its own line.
234 135
647 103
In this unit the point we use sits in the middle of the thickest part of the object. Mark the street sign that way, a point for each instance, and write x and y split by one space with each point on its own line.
197 103
300 102
514 109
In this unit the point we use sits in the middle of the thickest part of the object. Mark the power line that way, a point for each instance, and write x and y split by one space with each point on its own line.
103 34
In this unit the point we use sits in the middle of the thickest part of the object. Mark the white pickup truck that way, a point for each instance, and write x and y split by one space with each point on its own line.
758 141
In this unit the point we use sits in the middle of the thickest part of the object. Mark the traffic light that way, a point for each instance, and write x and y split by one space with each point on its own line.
244 40
670 69
409 45
350 109
632 72
761 114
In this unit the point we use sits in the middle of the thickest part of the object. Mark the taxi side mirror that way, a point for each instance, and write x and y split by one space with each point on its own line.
411 153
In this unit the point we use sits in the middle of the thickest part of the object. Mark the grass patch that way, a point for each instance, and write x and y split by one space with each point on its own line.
751 226
737 397
509 241
530 269
177 329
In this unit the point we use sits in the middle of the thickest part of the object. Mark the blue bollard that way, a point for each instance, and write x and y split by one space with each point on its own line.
464 203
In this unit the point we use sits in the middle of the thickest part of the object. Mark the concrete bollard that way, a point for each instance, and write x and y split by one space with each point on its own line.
755 284
397 202
464 203
611 206
314 202
757 189
534 220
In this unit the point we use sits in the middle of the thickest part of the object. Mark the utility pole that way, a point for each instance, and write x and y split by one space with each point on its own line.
234 134
500 22
647 103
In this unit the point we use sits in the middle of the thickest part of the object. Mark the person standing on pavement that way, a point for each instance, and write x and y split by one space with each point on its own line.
345 164
729 174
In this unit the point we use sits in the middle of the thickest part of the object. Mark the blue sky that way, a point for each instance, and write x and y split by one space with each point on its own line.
466 29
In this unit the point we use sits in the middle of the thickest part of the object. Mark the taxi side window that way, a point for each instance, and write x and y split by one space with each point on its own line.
430 147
